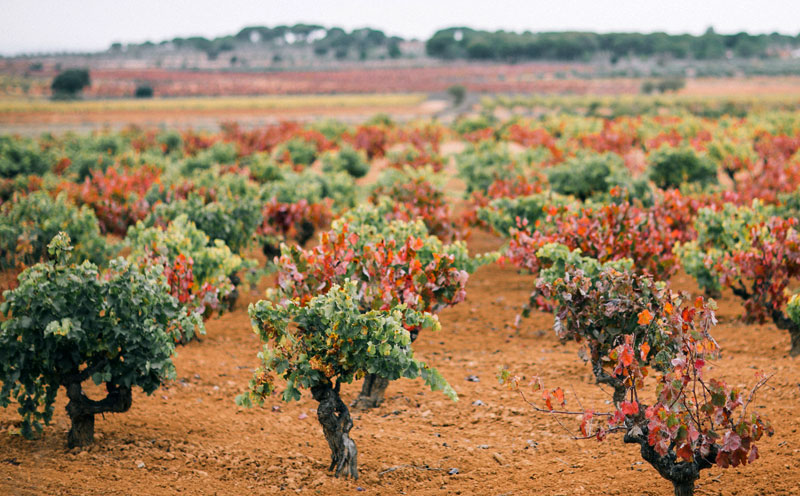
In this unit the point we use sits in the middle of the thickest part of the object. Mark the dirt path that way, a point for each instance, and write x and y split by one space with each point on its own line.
192 439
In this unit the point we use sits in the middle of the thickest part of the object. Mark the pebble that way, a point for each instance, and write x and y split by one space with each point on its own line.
478 403
453 471
139 464
473 378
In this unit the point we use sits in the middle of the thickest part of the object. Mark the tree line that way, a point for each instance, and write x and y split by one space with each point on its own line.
466 43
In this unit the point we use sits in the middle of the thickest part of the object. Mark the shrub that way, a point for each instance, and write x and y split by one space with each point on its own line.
218 153
30 222
761 271
731 155
719 231
293 187
372 139
483 163
298 152
143 91
394 262
234 220
290 221
19 156
466 126
346 159
416 157
329 341
753 253
505 214
410 196
457 92
67 323
70 82
117 196
673 167
199 271
673 84
583 177
609 232
631 325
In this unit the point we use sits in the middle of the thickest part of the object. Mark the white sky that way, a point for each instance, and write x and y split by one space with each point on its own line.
67 25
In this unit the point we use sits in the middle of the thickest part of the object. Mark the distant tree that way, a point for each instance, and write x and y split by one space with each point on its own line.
671 84
70 82
144 91
394 50
457 92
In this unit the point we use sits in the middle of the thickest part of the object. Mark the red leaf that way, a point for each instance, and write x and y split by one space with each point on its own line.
629 407
626 357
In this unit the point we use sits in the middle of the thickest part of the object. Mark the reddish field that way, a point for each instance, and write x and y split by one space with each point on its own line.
492 78
190 438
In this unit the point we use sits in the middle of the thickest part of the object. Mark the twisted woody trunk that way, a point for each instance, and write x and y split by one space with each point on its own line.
780 320
81 410
373 391
336 423
682 474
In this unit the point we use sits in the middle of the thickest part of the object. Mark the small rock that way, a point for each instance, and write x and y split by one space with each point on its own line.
302 416
483 446
359 488
276 408
139 464
453 471
499 458
478 403
473 378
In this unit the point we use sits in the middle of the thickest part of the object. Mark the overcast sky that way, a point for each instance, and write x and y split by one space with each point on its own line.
66 25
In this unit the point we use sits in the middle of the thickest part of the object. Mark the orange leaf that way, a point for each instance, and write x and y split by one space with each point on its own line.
559 395
644 349
626 357
645 317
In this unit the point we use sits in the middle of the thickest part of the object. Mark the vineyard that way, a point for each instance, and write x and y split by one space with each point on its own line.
566 295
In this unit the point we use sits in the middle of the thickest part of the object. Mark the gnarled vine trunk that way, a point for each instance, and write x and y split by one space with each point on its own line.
270 250
336 423
787 324
682 474
602 377
230 300
305 231
373 390
795 349
780 320
81 411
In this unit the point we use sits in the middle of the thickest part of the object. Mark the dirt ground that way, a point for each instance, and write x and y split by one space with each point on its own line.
190 437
